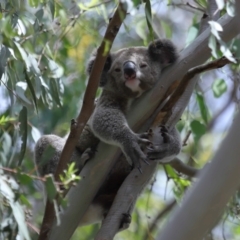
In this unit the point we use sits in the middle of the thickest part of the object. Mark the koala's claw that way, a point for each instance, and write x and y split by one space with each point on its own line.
146 161
165 134
143 140
143 135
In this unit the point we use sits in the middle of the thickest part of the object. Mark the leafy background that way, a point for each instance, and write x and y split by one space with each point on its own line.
44 47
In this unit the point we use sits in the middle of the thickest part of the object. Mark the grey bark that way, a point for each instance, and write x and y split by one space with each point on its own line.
204 203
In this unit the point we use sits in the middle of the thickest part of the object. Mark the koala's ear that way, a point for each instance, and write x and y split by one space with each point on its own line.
163 51
106 67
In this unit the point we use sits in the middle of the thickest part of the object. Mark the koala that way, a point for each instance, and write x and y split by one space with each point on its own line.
127 74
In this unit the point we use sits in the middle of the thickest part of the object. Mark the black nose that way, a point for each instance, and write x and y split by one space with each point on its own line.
129 69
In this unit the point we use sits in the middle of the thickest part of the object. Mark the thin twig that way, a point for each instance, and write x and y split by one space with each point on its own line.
185 81
184 142
42 179
187 7
159 216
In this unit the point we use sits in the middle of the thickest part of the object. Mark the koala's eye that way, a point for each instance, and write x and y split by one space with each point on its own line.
143 65
117 70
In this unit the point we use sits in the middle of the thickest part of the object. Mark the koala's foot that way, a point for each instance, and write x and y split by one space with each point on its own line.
85 157
125 222
166 146
165 134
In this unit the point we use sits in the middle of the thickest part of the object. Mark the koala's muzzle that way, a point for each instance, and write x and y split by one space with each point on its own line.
129 69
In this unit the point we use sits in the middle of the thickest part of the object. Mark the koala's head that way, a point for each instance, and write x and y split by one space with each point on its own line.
131 71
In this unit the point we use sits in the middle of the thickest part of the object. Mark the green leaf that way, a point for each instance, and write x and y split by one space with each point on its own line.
230 8
39 14
17 210
148 13
24 179
220 4
56 70
34 65
55 92
136 2
203 108
6 142
24 55
31 88
171 172
167 29
33 3
14 19
52 7
4 55
198 129
50 187
215 29
226 51
35 134
219 87
140 27
23 133
212 44
21 87
192 34
24 201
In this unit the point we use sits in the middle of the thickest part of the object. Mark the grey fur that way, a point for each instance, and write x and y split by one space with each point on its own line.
108 121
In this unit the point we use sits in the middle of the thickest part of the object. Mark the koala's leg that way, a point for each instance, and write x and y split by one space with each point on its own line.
110 126
166 144
48 150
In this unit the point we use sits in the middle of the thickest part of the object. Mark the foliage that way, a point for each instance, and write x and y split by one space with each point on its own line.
44 47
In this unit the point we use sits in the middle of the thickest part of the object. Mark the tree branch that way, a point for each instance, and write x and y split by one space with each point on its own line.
217 183
183 168
185 82
86 111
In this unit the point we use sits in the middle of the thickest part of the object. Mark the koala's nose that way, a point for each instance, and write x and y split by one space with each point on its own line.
129 69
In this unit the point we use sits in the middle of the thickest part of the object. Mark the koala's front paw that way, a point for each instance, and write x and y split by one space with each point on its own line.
125 222
134 150
166 145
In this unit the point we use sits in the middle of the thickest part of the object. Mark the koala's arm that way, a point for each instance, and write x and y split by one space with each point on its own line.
110 126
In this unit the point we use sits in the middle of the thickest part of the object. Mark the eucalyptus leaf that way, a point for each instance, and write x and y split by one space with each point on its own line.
20 91
148 13
50 187
203 108
22 133
4 55
215 29
17 209
35 134
219 87
198 129
220 4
